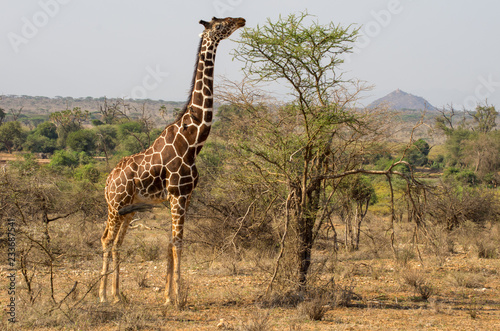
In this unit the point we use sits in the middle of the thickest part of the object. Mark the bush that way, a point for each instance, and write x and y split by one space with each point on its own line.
63 158
37 143
82 141
314 309
87 172
453 205
417 155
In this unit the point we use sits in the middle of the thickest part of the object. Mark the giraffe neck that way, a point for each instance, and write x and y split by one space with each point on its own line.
200 105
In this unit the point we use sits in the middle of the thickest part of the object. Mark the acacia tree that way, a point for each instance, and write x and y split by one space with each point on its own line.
302 149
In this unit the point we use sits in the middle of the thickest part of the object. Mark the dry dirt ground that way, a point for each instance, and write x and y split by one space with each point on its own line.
224 296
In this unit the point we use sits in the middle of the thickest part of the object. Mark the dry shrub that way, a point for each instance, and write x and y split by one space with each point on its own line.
314 309
487 249
150 250
282 299
405 255
481 240
454 205
468 280
419 283
182 297
258 321
142 279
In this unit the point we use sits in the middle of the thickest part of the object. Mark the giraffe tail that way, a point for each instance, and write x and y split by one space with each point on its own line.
135 207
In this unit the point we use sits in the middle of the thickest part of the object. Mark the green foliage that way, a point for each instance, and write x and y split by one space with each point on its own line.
472 144
88 172
417 155
12 136
43 139
63 158
82 141
68 121
455 145
96 122
133 137
106 138
485 118
37 143
2 115
47 129
27 164
299 51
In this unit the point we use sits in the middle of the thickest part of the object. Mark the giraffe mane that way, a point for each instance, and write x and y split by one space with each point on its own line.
193 80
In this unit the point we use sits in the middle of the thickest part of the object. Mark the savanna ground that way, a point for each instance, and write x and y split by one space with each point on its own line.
448 281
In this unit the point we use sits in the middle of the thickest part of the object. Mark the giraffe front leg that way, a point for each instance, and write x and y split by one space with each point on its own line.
170 272
115 289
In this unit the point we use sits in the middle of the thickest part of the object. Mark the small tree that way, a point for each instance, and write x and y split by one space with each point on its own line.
300 150
82 141
484 118
417 155
11 136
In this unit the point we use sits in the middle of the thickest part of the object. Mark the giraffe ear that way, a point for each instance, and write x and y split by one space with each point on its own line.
204 23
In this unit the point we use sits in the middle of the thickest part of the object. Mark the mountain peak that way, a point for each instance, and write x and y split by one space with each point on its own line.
401 100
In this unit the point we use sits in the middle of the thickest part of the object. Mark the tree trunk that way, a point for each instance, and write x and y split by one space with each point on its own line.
306 220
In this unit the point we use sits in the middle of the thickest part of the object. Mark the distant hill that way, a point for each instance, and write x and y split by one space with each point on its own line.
400 100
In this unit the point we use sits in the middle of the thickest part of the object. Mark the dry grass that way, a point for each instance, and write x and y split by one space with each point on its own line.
460 290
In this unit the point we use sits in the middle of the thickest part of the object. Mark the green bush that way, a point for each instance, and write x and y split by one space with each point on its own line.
82 141
63 158
87 172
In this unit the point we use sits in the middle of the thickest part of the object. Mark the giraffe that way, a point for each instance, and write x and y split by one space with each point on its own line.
165 171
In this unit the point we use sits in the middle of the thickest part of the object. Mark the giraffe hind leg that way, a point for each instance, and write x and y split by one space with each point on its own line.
107 240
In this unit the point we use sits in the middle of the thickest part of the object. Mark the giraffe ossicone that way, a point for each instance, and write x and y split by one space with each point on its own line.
165 171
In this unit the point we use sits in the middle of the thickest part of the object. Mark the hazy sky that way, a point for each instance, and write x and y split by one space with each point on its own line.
445 51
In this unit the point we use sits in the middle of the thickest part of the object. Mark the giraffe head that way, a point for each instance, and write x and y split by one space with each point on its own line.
221 28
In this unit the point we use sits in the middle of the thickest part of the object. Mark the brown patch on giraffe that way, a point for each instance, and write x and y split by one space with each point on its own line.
208 116
185 189
191 133
171 131
209 71
174 179
156 186
208 103
186 180
173 190
190 155
156 170
204 131
197 98
175 164
199 85
159 144
207 91
180 145
168 152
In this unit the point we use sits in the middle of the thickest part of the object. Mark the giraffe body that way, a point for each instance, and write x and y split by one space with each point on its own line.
166 170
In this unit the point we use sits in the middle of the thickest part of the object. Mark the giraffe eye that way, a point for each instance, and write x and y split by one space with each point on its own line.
218 26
